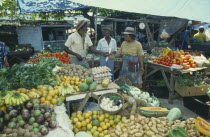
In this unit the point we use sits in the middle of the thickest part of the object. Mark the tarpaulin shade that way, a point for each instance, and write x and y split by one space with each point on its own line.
188 9
32 6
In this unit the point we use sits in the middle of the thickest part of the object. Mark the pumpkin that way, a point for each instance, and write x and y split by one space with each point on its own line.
178 132
174 114
202 126
83 134
153 111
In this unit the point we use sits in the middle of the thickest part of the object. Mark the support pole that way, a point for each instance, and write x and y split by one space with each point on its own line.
96 32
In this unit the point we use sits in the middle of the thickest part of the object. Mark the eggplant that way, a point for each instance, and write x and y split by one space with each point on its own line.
13 113
1 113
52 124
37 107
19 108
10 108
1 127
40 119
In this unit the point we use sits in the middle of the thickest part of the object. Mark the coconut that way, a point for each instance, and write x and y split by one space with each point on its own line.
8 130
14 135
21 132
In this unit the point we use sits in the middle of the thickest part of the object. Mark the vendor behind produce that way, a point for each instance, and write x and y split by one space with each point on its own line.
200 35
132 56
78 43
107 45
3 55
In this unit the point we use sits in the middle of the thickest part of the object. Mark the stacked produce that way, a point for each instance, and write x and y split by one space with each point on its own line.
31 119
177 57
74 70
63 57
100 73
139 126
95 122
89 85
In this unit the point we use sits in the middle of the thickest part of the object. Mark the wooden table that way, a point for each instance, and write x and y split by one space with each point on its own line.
173 75
85 96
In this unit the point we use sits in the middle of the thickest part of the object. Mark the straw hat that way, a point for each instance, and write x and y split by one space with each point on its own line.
129 30
81 24
108 28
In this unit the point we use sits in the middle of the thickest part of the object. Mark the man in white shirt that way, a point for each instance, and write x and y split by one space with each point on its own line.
107 45
78 43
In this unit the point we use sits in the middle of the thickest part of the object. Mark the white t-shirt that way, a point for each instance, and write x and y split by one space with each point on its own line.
75 43
103 45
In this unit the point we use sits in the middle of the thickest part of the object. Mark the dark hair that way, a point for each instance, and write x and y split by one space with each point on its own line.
201 30
132 36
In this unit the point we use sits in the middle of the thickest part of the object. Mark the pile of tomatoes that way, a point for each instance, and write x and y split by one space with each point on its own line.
177 57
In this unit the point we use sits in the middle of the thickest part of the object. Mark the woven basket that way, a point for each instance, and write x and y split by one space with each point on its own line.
107 95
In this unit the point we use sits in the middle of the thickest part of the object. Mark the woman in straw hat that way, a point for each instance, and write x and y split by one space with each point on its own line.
106 46
78 43
132 57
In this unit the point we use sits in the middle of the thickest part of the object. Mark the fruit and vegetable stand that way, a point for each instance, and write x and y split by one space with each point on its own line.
174 73
86 96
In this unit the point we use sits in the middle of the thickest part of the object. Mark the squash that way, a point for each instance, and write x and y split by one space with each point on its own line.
153 111
174 114
178 132
83 134
202 126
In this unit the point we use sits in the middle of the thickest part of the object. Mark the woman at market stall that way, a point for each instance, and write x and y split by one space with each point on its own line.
106 46
132 57
3 55
78 43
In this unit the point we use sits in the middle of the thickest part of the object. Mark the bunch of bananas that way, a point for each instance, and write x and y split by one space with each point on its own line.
33 95
16 98
166 51
64 90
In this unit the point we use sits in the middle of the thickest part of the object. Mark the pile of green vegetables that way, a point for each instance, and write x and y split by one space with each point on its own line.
28 76
191 80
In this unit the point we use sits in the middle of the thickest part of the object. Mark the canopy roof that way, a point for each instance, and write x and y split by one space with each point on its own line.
187 9
32 6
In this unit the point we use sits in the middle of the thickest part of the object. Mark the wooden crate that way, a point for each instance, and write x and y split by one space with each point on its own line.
191 91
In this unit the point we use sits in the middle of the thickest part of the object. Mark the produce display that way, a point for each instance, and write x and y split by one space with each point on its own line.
202 126
63 57
96 123
111 103
140 126
138 94
100 73
177 57
153 111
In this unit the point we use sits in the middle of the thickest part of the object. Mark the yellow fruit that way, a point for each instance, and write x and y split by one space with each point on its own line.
106 120
114 126
87 121
120 123
86 115
79 112
106 115
101 118
119 117
95 127
105 132
100 112
84 124
78 124
81 119
93 130
111 122
95 112
99 129
116 121
111 117
75 120
104 127
51 105
83 128
74 114
101 135
95 116
76 130
49 98
42 100
54 101
108 125
89 126
102 124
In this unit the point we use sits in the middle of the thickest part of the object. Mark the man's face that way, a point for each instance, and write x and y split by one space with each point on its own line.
106 33
84 29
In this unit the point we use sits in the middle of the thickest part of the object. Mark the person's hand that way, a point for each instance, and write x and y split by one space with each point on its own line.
111 56
79 57
142 70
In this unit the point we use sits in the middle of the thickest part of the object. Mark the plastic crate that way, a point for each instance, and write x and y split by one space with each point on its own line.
198 105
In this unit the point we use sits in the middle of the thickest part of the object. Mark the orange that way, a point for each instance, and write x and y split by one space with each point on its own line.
56 92
56 97
44 95
47 103
33 90
42 100
54 101
43 91
52 93
49 98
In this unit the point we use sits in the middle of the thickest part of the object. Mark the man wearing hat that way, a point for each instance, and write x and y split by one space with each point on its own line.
200 35
78 43
106 46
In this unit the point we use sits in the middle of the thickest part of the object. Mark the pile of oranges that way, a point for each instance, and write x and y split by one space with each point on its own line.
73 81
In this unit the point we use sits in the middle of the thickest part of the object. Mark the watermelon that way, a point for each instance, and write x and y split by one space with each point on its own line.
92 86
89 80
83 87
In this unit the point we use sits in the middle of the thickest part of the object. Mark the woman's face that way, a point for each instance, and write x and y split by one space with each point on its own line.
128 37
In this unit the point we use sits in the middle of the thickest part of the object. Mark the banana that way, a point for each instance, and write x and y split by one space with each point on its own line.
22 99
25 96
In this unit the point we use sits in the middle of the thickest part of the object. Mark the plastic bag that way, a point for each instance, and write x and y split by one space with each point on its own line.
164 35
